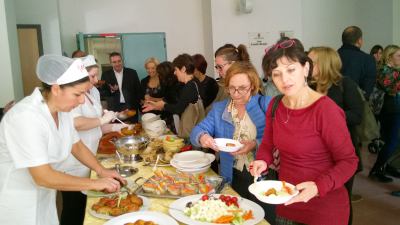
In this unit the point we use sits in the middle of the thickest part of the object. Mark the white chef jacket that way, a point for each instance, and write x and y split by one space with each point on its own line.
92 109
28 138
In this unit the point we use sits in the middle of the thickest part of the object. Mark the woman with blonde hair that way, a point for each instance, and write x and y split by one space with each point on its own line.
327 80
389 81
151 84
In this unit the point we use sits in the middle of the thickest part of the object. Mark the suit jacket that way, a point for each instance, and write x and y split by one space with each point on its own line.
359 66
131 89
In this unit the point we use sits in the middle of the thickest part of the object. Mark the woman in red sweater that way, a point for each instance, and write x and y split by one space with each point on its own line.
309 129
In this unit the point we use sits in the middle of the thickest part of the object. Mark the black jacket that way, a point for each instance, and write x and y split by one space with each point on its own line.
347 97
131 89
187 94
359 66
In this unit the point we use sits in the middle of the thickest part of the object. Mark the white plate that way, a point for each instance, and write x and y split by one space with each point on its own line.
221 144
96 194
145 206
258 189
193 171
197 167
156 217
189 156
200 162
177 207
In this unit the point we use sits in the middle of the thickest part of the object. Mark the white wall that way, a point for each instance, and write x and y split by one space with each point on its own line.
11 82
195 26
324 21
181 20
45 13
231 26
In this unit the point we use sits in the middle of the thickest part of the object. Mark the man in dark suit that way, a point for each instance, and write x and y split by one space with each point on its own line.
357 65
122 89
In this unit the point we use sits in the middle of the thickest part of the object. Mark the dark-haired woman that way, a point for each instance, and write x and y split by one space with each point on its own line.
36 136
224 57
316 152
208 84
170 88
184 72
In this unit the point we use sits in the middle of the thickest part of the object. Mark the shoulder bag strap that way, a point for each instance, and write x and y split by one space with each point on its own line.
198 92
277 99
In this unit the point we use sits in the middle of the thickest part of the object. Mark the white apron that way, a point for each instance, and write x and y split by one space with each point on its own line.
91 109
28 138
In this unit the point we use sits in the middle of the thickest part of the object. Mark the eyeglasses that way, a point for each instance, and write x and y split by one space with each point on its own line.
220 67
280 45
240 90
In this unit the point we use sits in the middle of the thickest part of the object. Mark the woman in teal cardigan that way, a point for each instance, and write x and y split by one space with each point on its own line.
240 117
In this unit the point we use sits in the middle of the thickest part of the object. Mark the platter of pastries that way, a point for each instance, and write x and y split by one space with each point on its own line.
176 185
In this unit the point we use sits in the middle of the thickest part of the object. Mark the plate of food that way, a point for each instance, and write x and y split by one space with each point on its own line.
216 209
273 191
141 217
227 145
108 208
175 185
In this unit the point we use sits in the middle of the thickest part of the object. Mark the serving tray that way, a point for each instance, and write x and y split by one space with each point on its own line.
216 182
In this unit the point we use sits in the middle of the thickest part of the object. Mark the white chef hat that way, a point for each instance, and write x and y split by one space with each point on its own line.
57 69
89 60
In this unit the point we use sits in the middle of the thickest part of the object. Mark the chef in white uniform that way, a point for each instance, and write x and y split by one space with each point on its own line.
36 135
91 123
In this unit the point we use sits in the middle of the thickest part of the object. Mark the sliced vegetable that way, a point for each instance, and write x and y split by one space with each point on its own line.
224 219
248 215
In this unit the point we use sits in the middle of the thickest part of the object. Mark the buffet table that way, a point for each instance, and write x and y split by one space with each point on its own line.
145 171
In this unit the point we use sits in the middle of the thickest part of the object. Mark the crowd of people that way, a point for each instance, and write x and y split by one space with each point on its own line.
309 138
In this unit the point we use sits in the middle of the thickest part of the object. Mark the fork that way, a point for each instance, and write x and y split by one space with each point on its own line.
155 165
255 178
116 118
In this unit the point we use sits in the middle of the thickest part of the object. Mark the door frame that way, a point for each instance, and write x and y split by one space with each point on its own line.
38 32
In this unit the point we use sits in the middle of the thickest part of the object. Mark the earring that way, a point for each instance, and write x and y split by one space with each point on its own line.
305 82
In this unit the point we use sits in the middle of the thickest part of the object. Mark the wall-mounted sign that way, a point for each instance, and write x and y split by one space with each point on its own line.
286 33
258 39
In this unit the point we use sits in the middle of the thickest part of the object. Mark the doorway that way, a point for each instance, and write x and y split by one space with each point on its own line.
30 49
134 47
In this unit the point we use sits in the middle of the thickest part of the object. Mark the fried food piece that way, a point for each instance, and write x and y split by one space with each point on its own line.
135 199
141 222
96 206
117 211
271 191
230 145
125 202
131 112
125 131
286 189
104 210
132 208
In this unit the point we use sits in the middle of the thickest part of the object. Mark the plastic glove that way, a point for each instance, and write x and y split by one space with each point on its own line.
107 117
118 126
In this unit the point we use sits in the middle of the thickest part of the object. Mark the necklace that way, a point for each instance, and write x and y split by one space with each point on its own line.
287 116
302 103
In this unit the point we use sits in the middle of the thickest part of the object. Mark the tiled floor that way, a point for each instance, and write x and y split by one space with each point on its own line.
377 207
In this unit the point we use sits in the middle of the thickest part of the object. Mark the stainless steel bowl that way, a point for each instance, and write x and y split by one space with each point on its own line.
130 146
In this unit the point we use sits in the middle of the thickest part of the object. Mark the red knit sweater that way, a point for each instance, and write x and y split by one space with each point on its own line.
314 145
